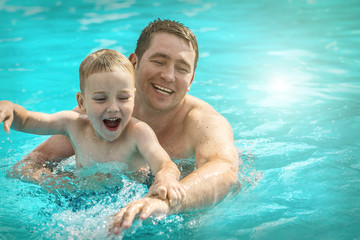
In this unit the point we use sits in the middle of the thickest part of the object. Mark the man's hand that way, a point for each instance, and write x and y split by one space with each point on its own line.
144 207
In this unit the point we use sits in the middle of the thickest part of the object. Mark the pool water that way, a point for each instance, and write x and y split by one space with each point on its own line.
284 73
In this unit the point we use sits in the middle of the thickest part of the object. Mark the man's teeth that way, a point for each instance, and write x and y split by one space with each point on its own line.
162 89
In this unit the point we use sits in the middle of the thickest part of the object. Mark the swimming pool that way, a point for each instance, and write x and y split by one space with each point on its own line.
284 73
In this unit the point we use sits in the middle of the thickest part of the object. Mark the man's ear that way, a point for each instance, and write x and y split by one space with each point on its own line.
133 59
80 101
192 79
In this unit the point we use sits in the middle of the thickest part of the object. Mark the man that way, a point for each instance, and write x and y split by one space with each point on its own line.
165 60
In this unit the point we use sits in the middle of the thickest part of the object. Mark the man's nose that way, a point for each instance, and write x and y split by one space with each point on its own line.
168 73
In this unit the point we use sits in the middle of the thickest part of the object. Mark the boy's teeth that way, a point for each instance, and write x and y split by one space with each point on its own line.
112 122
162 89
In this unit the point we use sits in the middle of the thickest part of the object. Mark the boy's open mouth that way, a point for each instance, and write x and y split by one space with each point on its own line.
112 124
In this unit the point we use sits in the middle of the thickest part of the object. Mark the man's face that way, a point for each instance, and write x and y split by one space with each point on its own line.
109 100
165 72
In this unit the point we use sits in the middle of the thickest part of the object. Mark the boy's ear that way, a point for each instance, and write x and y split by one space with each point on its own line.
80 101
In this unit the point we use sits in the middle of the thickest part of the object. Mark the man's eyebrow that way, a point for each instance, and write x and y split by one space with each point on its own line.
161 55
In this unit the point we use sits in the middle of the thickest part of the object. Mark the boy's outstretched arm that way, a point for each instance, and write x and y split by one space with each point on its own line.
12 115
166 183
38 164
50 152
18 118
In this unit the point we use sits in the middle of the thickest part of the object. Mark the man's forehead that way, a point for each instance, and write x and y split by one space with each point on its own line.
161 38
163 43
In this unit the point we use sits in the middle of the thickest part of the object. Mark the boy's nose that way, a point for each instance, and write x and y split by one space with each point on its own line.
112 107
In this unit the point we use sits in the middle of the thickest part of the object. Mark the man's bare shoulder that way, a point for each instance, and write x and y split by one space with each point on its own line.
201 112
203 122
210 133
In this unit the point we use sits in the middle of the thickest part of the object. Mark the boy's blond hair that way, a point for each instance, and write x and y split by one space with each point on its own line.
104 60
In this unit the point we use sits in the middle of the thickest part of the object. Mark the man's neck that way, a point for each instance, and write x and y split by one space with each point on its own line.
158 120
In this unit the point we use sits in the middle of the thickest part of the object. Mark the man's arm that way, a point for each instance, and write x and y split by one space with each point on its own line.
217 168
41 160
204 187
216 160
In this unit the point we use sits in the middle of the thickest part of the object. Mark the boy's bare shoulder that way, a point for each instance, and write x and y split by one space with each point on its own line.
136 123
137 127
75 116
79 121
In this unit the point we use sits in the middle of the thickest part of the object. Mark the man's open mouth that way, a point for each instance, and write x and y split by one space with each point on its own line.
162 89
112 124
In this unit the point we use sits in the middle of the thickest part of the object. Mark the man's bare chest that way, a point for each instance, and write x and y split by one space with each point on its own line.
177 146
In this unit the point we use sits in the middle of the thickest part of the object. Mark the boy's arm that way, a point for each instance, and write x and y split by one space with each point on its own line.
19 119
166 172
40 161
12 115
43 157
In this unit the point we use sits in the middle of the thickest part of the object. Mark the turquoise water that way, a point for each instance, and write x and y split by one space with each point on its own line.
284 73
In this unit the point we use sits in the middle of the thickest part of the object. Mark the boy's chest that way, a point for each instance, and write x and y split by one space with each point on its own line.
90 153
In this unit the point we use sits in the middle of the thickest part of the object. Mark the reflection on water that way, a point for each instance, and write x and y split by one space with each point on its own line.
285 75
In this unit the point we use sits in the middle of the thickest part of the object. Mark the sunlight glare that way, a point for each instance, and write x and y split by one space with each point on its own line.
279 83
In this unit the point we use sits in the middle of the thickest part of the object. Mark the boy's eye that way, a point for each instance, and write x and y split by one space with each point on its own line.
124 98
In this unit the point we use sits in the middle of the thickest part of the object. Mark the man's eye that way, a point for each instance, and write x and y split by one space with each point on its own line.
157 62
99 99
183 70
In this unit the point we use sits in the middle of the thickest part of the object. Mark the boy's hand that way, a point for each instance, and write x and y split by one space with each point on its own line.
169 189
6 114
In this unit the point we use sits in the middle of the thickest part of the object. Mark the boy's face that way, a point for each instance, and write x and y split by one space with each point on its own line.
108 100
165 72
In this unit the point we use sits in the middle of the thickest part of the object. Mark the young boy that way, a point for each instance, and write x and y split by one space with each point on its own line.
105 130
